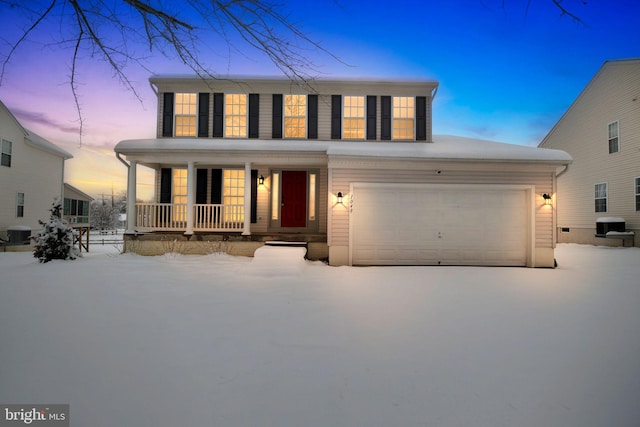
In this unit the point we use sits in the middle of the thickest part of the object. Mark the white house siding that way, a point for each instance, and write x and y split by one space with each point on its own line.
36 173
344 172
612 95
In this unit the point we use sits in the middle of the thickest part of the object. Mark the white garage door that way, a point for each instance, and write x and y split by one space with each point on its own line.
436 225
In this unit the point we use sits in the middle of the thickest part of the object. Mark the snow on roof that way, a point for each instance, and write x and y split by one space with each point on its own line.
39 142
444 147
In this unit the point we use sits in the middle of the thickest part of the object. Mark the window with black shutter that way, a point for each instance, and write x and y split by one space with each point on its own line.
385 117
336 116
167 114
276 122
218 115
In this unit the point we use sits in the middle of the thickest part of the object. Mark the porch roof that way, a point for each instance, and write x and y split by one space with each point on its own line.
444 147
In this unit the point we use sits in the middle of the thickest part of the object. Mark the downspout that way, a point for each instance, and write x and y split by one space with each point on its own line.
566 168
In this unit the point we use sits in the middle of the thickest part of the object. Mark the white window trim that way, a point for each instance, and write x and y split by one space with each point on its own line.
617 123
175 115
18 204
606 197
9 153
364 137
636 190
246 116
284 116
393 118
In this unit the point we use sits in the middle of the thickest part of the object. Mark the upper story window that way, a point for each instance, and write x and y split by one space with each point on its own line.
404 112
6 153
235 110
638 194
614 142
186 114
295 116
353 117
601 197
20 205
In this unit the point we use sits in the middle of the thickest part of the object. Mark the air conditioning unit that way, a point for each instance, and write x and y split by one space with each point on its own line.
607 224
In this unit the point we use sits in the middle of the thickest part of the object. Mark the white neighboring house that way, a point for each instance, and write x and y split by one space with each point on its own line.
31 173
601 131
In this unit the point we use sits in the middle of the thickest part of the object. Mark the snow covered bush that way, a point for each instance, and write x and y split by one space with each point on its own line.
55 240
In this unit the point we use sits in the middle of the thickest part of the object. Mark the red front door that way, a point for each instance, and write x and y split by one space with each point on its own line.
294 199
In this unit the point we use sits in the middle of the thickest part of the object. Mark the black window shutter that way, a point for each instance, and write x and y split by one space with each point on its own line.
203 115
421 118
312 119
201 186
218 115
165 185
336 116
254 196
254 115
216 186
371 117
276 122
385 116
167 114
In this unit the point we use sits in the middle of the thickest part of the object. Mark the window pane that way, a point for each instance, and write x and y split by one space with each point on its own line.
403 117
613 138
235 115
185 114
312 196
353 117
295 116
233 194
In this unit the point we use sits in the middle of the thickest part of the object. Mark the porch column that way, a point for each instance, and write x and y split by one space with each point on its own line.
246 231
191 184
131 197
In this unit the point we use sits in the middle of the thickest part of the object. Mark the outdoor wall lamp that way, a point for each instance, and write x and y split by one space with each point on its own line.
261 180
339 195
547 198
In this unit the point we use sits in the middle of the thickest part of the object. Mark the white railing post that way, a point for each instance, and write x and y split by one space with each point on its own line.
191 183
246 230
131 197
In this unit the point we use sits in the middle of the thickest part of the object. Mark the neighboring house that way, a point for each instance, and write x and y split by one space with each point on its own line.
77 211
348 167
601 131
31 176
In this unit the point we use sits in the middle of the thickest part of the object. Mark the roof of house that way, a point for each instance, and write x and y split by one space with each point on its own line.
72 189
41 143
36 140
444 147
603 68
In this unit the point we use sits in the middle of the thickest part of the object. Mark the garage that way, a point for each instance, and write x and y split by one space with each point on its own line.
416 224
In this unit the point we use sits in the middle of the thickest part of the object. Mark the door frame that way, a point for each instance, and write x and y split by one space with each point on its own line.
275 198
529 196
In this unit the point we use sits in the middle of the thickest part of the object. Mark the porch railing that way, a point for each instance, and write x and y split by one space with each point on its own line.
173 217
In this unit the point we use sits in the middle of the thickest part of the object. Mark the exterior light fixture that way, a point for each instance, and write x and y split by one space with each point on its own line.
547 198
261 180
339 197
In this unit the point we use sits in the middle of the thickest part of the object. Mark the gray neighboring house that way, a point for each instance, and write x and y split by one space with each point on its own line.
599 194
31 177
349 168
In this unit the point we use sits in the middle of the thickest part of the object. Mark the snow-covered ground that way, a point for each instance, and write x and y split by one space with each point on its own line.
277 341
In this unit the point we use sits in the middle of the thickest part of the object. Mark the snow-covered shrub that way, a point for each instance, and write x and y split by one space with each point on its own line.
55 240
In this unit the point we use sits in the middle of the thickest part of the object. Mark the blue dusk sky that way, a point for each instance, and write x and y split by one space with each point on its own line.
507 69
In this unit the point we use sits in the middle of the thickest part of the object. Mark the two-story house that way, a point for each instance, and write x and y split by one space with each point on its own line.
601 131
31 177
348 167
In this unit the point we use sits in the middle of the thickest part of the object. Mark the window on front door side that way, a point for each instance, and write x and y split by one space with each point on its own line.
295 116
353 117
601 197
235 109
185 114
404 112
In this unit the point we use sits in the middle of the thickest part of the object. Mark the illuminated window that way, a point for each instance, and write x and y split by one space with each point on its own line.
235 110
614 130
353 117
403 117
20 205
6 153
312 196
185 113
295 116
601 197
233 194
179 194
275 196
